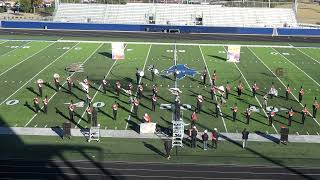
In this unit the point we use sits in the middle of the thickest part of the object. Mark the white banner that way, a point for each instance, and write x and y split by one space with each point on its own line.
117 50
146 128
233 54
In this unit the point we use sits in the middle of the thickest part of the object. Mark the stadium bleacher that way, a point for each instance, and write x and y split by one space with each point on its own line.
175 14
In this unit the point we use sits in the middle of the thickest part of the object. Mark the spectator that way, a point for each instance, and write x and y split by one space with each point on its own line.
193 135
245 136
168 147
205 138
215 137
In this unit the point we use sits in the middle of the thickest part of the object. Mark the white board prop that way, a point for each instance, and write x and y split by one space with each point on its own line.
233 54
146 128
117 50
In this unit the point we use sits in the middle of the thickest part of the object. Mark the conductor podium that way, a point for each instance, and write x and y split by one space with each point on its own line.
67 129
146 128
284 132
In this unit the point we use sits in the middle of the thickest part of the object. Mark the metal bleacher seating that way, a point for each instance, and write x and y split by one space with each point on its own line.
175 14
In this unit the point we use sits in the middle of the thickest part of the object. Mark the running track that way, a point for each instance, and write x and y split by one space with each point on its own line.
21 169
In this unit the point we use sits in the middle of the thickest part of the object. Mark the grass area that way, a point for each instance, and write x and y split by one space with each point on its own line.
115 149
23 62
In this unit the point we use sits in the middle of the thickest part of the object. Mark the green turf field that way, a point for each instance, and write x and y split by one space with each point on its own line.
23 62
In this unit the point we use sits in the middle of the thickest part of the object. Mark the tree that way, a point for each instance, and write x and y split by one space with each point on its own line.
28 5
25 5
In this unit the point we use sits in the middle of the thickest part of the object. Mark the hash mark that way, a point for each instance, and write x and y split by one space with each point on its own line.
36 125
317 133
308 133
297 133
45 126
267 132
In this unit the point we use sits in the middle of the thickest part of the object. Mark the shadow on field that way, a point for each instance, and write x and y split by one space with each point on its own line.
20 160
153 148
268 136
106 54
273 161
218 57
31 89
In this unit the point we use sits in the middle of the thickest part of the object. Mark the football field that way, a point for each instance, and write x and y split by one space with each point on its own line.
22 63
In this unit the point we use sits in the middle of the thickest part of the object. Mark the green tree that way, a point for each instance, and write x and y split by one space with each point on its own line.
25 5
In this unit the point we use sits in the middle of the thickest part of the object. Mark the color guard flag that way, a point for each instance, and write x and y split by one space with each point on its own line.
233 54
117 50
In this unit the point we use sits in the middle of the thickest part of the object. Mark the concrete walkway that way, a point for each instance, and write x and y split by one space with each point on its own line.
132 134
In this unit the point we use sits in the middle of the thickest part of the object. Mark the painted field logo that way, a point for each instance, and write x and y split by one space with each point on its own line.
75 67
181 70
279 72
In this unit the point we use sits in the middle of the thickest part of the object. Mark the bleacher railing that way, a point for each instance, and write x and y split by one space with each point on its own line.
237 3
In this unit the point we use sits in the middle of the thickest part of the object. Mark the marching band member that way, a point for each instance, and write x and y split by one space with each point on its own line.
115 107
315 107
154 102
255 88
234 111
36 104
305 113
104 84
199 103
228 89
71 108
288 92
248 114
56 78
118 88
45 104
290 114
240 88
301 93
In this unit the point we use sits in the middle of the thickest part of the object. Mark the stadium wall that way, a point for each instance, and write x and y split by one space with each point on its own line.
160 28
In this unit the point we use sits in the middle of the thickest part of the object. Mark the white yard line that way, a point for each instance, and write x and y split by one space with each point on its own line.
282 83
297 67
221 115
145 62
64 84
13 49
26 59
38 74
255 96
4 42
308 55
